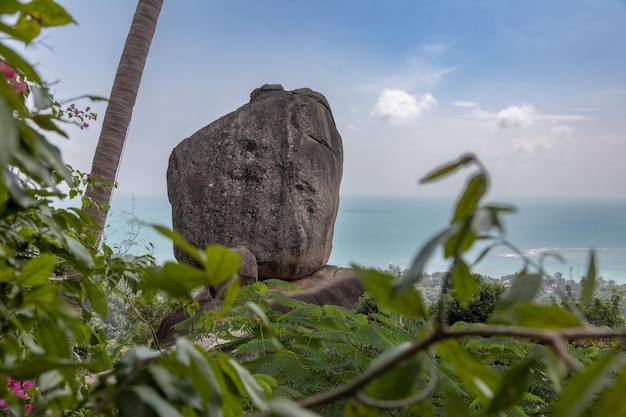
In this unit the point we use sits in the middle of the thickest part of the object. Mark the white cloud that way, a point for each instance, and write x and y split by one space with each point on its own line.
399 105
469 104
516 116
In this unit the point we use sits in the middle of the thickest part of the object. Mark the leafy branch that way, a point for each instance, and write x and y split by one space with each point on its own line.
554 338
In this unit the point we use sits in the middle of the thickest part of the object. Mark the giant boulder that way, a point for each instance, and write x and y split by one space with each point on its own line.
265 177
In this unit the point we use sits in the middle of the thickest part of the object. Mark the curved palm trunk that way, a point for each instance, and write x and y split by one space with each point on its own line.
117 118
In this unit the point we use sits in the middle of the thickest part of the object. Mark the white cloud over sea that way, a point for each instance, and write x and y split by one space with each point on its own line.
399 105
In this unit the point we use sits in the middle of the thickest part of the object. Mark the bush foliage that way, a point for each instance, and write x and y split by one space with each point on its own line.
391 357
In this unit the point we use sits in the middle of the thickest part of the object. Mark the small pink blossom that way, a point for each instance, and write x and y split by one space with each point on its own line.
89 175
72 105
20 86
28 408
3 404
9 72
85 124
28 384
88 108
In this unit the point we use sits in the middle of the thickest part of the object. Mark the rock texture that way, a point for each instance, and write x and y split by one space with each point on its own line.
265 177
330 285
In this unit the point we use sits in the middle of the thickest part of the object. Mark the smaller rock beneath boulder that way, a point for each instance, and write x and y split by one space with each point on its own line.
330 285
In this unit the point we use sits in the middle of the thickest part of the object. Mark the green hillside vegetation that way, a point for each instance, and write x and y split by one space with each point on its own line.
457 344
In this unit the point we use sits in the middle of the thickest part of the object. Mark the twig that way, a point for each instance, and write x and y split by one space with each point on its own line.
552 337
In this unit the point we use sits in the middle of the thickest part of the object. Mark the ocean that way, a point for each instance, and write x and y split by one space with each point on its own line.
380 231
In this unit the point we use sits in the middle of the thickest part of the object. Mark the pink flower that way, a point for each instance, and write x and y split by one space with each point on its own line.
88 108
9 72
20 86
85 124
3 404
28 408
88 176
14 384
28 384
72 105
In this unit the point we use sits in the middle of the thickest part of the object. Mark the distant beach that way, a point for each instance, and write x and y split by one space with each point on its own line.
380 231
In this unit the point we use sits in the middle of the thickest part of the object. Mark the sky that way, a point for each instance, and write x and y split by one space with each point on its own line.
536 89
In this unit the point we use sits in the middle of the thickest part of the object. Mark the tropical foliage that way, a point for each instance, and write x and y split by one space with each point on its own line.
391 357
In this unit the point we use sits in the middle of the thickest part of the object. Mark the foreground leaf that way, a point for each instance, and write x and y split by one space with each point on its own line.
380 285
538 316
581 391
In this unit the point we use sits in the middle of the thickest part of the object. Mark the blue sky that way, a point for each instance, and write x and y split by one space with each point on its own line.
536 89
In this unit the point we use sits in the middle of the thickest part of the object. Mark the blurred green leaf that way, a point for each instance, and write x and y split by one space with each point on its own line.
99 360
79 252
468 203
589 283
176 389
461 241
478 378
381 286
582 388
280 407
151 397
177 280
19 64
250 385
27 28
204 373
47 13
555 367
523 290
612 402
9 136
96 296
37 270
398 382
220 264
415 272
41 296
455 405
464 283
232 294
512 387
38 365
10 6
538 316
180 241
448 168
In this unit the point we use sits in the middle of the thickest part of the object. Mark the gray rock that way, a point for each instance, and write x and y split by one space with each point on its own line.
265 177
330 285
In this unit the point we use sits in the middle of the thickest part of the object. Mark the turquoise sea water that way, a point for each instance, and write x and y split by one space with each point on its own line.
377 232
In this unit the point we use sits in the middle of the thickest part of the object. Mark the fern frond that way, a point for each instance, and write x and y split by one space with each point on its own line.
337 311
308 311
256 347
284 300
288 392
374 337
283 285
527 396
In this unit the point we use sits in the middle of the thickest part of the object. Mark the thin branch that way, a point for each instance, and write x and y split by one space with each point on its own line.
155 339
405 402
548 336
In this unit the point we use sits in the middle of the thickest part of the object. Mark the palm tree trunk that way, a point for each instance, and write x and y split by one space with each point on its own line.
119 111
